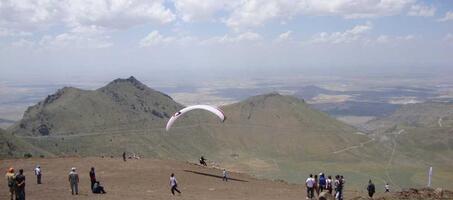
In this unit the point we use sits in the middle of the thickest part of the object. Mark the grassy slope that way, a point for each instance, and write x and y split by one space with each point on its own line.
270 136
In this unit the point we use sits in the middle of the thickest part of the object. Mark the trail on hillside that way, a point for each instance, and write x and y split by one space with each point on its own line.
354 147
389 163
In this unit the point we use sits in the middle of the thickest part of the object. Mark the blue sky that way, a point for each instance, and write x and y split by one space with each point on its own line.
64 38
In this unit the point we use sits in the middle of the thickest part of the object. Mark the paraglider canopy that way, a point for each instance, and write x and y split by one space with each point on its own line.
211 109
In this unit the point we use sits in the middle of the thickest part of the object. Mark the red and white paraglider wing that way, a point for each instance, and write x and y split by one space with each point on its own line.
211 109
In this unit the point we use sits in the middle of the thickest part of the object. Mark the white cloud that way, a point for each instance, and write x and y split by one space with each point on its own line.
448 37
200 10
422 10
85 37
354 34
12 33
242 37
448 17
155 38
385 39
117 14
286 36
255 13
23 43
114 14
28 14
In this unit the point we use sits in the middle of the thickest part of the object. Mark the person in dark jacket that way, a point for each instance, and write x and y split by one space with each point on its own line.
20 185
92 177
322 182
371 189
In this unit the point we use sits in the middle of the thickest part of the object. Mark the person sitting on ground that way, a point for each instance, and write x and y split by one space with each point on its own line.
203 161
98 188
371 189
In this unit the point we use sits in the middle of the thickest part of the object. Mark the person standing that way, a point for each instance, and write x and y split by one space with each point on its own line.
74 181
371 189
92 178
38 174
20 185
322 182
124 156
224 175
338 188
316 185
11 180
387 187
310 183
329 184
174 184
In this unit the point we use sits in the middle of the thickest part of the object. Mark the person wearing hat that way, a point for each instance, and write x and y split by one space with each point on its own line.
74 181
11 178
38 174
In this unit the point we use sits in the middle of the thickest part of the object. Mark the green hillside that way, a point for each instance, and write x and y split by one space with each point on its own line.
269 136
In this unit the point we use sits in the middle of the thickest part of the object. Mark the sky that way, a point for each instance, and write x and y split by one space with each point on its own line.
64 39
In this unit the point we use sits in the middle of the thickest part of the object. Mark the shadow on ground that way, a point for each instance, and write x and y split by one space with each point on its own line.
213 175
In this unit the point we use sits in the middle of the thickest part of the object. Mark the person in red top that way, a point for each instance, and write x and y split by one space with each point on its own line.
92 178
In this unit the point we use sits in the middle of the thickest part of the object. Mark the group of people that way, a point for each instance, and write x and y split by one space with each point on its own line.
95 186
321 183
16 182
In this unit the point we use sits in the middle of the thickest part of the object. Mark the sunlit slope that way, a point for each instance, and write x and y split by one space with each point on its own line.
14 147
124 103
271 135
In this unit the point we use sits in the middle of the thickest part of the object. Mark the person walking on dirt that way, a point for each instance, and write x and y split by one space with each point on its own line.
20 185
11 180
224 175
329 184
322 182
174 184
124 156
371 189
92 177
387 187
310 183
74 181
38 174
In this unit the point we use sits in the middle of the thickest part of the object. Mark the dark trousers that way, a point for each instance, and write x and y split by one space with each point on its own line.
225 178
321 188
310 192
20 194
371 194
174 188
38 178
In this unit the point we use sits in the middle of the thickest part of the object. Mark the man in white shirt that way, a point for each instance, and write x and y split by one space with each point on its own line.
174 184
310 186
38 174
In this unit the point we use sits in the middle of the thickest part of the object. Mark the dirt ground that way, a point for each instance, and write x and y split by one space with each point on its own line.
146 179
